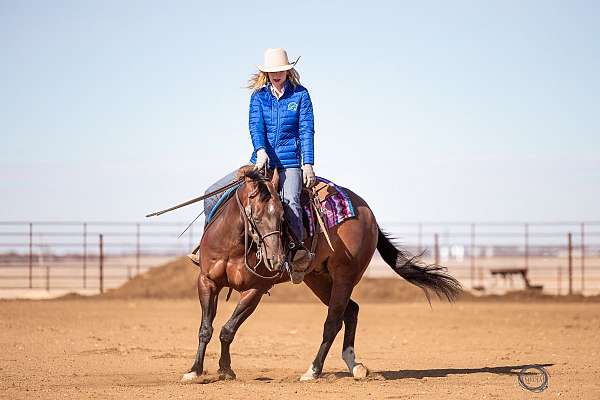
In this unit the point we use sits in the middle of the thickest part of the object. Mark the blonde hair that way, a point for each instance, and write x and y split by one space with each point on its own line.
260 79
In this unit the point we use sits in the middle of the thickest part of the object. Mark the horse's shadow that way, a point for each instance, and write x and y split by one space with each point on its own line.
444 372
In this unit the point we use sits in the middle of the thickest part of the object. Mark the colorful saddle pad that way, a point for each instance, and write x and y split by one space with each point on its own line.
336 206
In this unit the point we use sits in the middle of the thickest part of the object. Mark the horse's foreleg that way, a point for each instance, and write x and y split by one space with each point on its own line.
340 295
321 287
208 294
245 307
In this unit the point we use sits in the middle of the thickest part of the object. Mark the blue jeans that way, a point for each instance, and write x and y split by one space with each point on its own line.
290 187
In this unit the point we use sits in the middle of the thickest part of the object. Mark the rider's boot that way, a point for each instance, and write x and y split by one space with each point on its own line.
195 255
300 261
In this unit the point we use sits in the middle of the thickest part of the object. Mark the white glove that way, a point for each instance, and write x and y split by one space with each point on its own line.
308 175
262 159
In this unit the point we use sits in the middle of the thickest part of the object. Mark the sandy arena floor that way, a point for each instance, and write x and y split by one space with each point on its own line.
140 348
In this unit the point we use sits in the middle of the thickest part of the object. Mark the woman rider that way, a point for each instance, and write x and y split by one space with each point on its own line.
282 131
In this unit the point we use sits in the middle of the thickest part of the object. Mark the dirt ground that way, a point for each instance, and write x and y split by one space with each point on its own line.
139 348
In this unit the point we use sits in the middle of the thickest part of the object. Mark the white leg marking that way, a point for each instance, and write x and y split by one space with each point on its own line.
360 371
349 357
310 374
190 376
357 370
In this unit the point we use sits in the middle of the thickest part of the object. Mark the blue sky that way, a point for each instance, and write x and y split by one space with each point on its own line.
483 111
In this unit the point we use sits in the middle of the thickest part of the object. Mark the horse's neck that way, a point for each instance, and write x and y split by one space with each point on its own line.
227 224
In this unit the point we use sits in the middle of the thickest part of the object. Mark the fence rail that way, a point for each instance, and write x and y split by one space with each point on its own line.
552 253
562 257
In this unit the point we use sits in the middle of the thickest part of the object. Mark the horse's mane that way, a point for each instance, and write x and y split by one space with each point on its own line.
248 171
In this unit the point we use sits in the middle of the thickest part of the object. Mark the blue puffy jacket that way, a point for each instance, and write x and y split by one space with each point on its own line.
284 127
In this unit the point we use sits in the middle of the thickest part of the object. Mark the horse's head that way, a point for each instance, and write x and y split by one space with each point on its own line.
264 213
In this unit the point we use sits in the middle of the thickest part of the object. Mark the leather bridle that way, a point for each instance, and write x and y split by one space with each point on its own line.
251 228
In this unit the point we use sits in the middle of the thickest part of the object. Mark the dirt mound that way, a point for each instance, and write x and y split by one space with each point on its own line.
177 279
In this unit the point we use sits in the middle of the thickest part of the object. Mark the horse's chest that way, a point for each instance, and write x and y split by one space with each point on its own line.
236 276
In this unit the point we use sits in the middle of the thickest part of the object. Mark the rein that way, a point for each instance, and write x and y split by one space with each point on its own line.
197 199
249 222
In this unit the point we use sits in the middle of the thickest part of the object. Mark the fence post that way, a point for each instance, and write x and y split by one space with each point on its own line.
570 253
84 255
420 240
101 272
137 249
472 255
582 258
526 246
559 281
47 276
30 255
436 249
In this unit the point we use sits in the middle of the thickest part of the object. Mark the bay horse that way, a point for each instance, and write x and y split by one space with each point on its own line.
223 261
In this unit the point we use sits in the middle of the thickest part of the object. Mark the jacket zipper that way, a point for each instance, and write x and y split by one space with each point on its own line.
278 127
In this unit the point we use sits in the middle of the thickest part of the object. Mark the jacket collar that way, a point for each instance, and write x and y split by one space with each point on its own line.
286 93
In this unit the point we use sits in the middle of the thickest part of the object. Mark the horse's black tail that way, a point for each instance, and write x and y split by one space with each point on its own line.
429 277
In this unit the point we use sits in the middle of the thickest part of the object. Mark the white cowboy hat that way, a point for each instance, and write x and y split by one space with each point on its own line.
276 60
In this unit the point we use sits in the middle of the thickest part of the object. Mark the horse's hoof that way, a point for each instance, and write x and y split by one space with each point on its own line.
309 375
189 377
226 375
359 371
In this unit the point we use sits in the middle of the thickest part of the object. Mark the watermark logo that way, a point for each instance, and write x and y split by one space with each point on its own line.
534 378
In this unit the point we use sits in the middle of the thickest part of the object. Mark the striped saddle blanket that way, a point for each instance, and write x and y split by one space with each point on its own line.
336 206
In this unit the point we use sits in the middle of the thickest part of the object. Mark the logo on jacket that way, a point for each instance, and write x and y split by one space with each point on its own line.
293 106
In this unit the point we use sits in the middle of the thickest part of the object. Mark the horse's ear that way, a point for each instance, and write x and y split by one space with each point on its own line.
275 179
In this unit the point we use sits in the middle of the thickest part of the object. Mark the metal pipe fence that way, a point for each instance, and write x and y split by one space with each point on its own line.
559 257
71 255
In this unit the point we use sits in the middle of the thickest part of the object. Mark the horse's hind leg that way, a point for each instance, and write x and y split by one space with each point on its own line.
321 286
338 302
357 370
208 294
245 307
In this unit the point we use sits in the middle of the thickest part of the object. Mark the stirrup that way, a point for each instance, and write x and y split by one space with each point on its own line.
295 276
302 256
309 255
195 258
